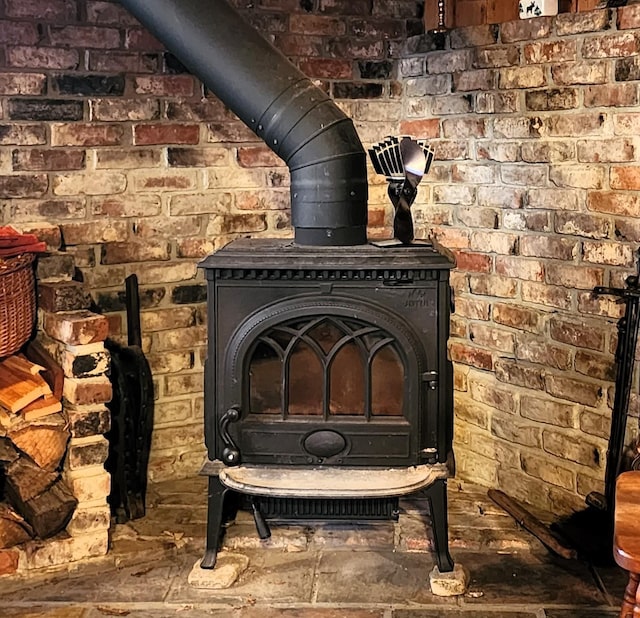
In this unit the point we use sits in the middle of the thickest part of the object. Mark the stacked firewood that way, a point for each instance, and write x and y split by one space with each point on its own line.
33 440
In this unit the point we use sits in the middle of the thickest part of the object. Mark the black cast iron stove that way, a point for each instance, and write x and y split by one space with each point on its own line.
328 390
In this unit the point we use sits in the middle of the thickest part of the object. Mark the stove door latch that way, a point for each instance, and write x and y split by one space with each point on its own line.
230 454
431 379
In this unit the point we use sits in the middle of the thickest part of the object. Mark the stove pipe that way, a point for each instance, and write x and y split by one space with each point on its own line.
296 119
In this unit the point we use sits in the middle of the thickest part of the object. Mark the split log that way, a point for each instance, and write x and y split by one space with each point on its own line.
49 512
44 440
25 480
53 373
13 528
41 407
18 389
8 452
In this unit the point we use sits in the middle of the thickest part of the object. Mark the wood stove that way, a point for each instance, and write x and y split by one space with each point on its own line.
328 389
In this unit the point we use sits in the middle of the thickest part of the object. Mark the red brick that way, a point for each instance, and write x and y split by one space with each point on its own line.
122 62
617 45
580 334
49 10
473 262
547 411
472 308
326 68
628 17
463 127
493 285
519 374
614 203
517 317
19 32
570 389
76 327
532 270
422 129
122 109
146 134
496 56
579 277
481 79
535 350
308 24
99 12
609 150
24 185
134 251
54 159
614 254
85 36
468 355
592 72
453 61
165 85
141 39
548 295
63 296
611 95
194 247
22 56
87 391
626 178
595 365
169 180
258 156
22 83
198 157
86 134
550 51
128 159
576 23
22 134
548 246
492 338
522 77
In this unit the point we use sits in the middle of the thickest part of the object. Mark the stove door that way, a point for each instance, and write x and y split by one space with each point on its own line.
324 381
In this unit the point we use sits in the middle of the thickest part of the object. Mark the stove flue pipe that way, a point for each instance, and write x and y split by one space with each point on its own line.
296 119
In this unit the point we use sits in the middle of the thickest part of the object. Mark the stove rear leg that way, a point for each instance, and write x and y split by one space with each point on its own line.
215 508
437 496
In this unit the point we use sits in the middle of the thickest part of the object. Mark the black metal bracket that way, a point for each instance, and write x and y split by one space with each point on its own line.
231 453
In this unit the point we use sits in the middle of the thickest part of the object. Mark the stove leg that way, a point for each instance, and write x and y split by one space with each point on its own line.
437 496
217 493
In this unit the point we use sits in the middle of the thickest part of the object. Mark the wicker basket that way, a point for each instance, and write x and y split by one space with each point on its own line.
17 302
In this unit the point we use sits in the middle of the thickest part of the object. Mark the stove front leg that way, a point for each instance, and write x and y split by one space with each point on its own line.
215 507
437 496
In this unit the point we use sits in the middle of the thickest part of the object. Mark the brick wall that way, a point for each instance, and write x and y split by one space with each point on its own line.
104 136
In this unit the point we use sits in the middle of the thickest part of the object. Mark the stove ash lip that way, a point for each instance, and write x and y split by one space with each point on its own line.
294 117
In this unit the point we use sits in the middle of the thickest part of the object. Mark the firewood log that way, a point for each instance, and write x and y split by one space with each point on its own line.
50 511
25 480
43 440
13 528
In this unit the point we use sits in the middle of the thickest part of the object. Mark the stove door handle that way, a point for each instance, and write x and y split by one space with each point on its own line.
230 454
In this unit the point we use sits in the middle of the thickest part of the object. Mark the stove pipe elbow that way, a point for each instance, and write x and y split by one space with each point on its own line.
295 118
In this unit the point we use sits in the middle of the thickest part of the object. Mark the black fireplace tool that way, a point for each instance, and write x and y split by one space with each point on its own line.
404 162
590 531
131 416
